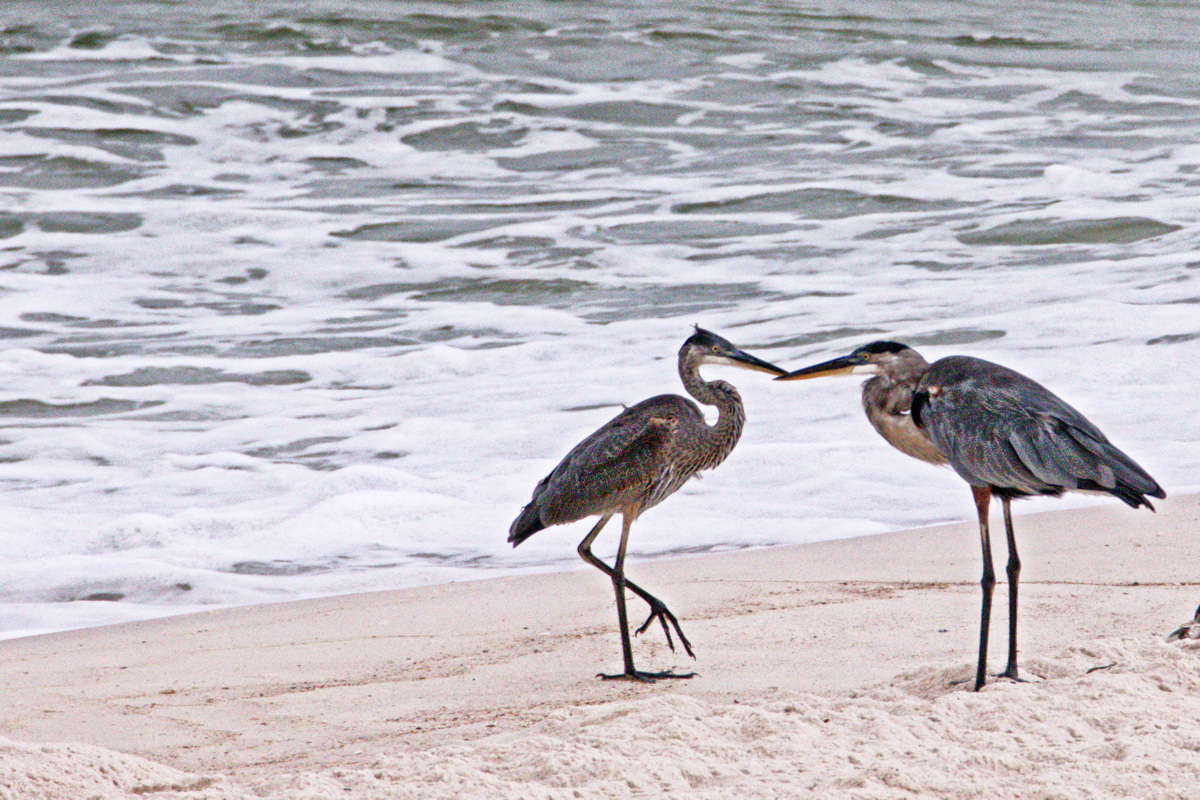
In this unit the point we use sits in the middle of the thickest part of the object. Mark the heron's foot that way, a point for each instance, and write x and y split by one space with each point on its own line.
659 611
644 677
1010 673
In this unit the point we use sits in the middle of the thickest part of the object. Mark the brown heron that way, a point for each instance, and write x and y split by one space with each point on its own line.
637 460
1003 433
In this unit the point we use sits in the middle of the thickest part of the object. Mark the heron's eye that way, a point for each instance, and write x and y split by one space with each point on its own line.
716 348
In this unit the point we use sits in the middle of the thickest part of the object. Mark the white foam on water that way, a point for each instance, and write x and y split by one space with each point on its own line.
124 48
290 325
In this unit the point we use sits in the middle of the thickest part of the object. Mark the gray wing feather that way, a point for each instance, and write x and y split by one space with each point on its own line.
1116 467
1002 429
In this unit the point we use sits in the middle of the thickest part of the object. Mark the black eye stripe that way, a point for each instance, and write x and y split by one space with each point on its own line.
883 347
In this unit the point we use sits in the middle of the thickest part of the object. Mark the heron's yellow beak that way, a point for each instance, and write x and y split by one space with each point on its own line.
842 365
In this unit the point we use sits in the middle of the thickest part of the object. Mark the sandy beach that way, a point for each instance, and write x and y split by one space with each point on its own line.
825 670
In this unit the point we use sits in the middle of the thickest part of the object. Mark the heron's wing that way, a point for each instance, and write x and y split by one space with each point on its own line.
1002 429
614 466
976 445
1111 470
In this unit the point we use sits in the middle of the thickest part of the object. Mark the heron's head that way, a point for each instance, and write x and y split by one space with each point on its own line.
706 347
870 359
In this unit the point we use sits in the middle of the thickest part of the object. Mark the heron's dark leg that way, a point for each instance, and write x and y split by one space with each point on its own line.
658 609
1014 574
618 580
619 584
983 496
585 547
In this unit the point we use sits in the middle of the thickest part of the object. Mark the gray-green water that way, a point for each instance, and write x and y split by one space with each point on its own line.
325 289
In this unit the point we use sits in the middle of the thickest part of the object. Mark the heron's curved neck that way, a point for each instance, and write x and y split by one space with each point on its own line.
888 397
897 378
731 416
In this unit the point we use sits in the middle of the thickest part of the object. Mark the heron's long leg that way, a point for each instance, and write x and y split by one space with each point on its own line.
617 572
658 609
983 496
585 547
618 579
1014 575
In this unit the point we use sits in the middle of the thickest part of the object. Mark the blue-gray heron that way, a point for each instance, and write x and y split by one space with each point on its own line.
637 460
1003 433
1188 630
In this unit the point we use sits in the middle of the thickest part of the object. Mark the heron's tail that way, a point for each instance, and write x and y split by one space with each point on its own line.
1134 496
527 523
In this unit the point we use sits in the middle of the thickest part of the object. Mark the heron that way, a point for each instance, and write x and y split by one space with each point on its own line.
635 461
1003 433
1188 630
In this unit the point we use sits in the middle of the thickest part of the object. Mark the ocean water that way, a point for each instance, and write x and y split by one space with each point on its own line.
301 298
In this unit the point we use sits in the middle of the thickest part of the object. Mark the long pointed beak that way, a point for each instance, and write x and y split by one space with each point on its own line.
842 365
744 360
